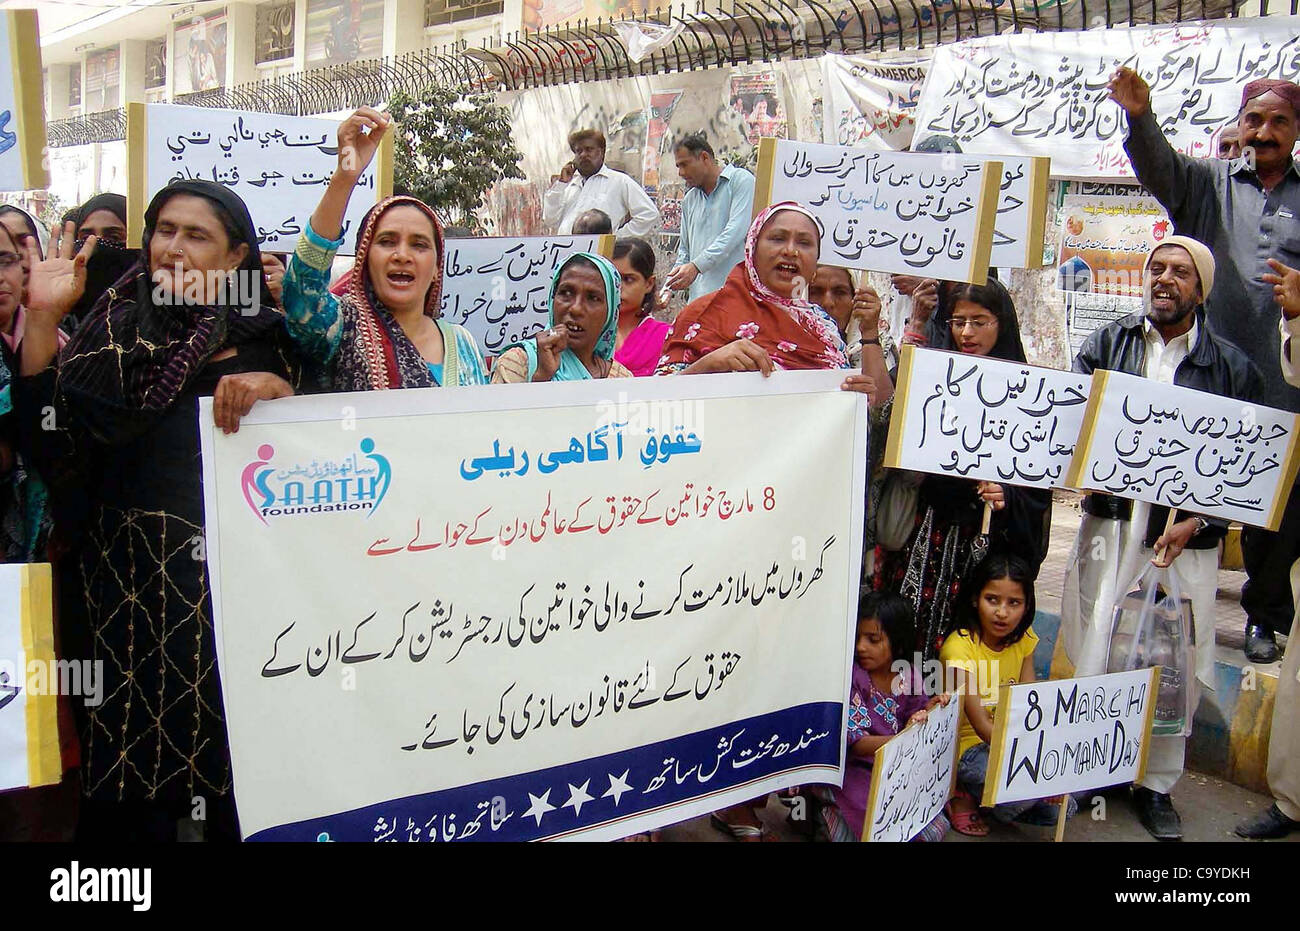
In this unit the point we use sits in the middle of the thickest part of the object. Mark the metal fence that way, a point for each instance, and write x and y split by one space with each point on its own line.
757 30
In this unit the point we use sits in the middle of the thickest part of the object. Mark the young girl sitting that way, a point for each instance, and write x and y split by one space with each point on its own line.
991 646
881 702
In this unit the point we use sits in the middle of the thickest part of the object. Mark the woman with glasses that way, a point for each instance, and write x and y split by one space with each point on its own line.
928 570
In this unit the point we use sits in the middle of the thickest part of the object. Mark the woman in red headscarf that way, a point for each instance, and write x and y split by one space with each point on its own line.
760 321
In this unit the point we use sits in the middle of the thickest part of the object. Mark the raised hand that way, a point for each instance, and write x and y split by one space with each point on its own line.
359 137
866 307
925 298
56 283
1129 91
273 269
550 346
1286 288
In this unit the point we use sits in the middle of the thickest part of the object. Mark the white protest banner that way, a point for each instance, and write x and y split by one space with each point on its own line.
497 287
279 165
1070 735
440 617
1186 449
870 102
29 734
1021 224
912 776
1044 93
888 211
22 104
984 419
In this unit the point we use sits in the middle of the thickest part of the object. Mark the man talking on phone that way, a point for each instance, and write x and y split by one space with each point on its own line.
587 182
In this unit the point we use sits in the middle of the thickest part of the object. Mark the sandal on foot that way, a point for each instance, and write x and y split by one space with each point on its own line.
741 832
966 822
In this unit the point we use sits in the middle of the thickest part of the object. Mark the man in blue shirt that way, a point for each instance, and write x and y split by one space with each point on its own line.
715 218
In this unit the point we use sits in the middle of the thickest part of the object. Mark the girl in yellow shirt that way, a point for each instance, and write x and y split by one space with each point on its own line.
992 645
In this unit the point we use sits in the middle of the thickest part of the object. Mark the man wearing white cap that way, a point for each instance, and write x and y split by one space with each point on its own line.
1169 343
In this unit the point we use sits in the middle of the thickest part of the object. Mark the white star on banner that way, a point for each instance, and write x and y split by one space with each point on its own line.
577 798
539 806
617 786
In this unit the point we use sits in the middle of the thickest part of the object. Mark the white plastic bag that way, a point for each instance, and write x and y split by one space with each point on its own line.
644 39
1153 626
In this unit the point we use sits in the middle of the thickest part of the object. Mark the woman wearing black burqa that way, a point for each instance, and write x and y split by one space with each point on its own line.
111 423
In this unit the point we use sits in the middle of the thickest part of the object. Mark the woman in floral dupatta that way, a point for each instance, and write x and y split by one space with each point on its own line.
759 321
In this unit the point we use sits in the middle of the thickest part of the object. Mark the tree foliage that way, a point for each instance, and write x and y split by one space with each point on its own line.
450 148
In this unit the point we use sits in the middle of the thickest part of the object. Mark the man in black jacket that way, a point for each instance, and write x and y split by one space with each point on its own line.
1170 343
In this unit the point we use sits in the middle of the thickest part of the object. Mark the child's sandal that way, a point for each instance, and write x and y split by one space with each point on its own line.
966 822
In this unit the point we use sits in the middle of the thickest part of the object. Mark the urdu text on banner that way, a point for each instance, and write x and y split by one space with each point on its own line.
976 417
904 212
278 164
1186 449
1045 93
519 613
499 287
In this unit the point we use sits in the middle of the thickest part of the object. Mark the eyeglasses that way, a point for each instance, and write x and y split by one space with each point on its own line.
9 259
960 323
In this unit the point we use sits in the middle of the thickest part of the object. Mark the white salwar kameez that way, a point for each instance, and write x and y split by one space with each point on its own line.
1107 557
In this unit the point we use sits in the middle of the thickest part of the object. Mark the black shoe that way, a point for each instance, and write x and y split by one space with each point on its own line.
1268 825
1261 646
1156 812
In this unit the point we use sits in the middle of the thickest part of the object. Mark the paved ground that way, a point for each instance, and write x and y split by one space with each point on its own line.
1210 808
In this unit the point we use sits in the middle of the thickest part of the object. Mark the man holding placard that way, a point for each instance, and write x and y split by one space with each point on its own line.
1247 210
1171 344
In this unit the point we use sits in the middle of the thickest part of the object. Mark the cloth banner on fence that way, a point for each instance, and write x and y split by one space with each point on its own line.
902 212
278 164
29 677
518 613
1070 735
912 776
870 102
985 419
1045 93
497 287
1186 449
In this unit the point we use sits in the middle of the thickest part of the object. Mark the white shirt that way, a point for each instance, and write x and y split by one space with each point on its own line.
614 192
1164 358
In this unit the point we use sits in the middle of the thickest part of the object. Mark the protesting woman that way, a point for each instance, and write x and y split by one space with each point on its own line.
583 327
759 321
111 424
949 512
384 331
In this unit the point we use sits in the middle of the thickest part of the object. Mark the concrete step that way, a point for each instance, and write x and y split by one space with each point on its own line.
1230 730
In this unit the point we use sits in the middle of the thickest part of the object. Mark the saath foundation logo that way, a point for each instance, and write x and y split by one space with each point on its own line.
354 483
